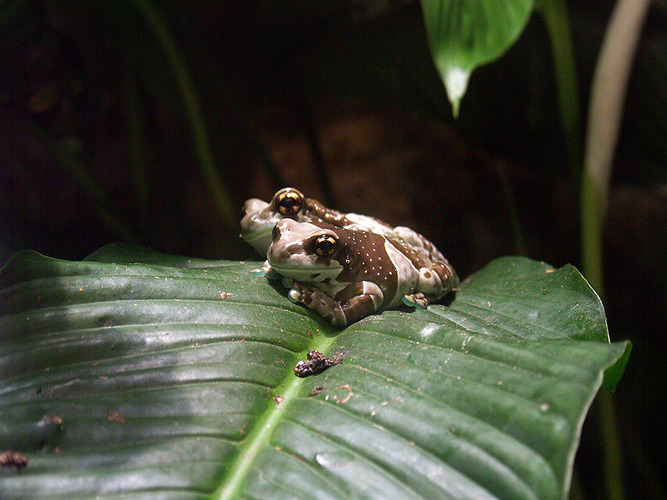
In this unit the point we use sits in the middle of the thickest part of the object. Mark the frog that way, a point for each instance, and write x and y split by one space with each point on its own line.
345 275
260 217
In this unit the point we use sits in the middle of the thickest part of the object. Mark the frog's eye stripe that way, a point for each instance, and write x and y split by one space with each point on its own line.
289 202
325 245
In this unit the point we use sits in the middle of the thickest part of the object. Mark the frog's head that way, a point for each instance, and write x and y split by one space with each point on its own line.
259 217
304 251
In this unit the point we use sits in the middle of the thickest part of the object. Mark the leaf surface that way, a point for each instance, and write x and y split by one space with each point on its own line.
144 375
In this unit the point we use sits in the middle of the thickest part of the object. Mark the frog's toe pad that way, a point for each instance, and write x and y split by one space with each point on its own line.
272 275
267 272
414 300
294 295
409 301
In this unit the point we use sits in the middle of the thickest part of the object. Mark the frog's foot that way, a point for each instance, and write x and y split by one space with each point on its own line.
436 280
416 299
357 301
296 293
267 271
318 301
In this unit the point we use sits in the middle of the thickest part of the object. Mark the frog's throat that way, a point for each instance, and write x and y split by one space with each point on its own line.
259 238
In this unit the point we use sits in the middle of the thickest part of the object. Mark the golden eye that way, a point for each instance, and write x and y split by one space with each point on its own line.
289 201
325 245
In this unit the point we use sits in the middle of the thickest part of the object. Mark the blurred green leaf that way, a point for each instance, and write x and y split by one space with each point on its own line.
144 375
464 35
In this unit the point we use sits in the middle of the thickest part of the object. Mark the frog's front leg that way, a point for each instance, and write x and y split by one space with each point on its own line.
352 303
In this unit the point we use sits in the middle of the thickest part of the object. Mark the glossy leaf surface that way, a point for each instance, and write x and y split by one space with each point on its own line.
145 375
464 35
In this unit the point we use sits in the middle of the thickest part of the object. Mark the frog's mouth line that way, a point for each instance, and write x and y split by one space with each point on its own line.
311 274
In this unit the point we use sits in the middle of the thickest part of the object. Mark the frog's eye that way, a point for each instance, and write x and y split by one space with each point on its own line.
325 245
289 201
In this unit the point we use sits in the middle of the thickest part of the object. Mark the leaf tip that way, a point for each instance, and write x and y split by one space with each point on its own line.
456 83
613 374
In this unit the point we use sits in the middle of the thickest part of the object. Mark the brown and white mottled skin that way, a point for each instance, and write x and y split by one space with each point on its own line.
345 275
260 217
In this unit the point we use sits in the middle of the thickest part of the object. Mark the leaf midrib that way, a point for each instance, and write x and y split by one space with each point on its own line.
233 480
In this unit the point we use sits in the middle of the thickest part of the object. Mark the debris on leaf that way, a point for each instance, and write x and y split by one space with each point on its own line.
11 458
347 397
319 389
52 419
315 363
115 416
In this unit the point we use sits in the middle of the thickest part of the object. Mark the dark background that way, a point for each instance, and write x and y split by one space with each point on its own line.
340 100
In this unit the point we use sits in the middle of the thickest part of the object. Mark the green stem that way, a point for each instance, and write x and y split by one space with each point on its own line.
612 460
519 242
193 111
604 119
319 164
592 217
237 112
607 100
554 13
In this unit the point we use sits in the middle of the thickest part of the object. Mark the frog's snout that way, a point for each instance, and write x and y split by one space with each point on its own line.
282 228
253 205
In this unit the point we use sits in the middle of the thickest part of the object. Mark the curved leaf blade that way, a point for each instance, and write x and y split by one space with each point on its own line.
134 373
464 35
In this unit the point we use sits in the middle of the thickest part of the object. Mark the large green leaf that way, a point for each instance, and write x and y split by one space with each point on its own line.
138 374
464 35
